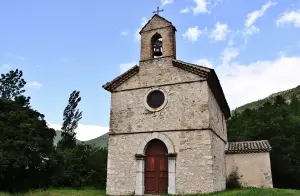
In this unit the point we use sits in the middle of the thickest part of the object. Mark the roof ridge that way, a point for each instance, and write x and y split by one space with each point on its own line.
152 18
192 64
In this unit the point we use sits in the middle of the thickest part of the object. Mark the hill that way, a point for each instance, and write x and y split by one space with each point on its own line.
287 94
100 141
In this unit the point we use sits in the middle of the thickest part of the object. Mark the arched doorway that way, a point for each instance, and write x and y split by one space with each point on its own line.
156 168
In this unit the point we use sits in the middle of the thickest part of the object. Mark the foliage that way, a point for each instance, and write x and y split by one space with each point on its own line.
11 84
71 118
80 166
279 123
26 147
232 182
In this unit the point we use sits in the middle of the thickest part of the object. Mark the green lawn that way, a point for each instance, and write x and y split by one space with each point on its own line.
90 192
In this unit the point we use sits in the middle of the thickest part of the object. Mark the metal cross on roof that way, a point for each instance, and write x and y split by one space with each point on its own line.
157 11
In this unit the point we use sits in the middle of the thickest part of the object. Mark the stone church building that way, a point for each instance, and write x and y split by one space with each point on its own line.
168 130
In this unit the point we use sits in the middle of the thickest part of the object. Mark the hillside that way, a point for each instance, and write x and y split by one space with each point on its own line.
287 94
100 141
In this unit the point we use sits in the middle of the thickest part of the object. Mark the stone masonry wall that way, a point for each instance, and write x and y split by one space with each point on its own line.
186 108
253 169
219 164
157 72
168 38
194 162
217 120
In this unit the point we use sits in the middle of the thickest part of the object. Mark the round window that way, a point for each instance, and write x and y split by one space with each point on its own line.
155 100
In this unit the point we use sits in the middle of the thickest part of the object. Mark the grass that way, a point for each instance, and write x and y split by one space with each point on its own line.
91 192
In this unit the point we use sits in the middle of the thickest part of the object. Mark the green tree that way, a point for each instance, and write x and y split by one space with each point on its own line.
12 84
279 123
71 117
26 147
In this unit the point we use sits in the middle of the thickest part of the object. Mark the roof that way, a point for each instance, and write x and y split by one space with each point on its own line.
110 86
156 15
248 147
204 72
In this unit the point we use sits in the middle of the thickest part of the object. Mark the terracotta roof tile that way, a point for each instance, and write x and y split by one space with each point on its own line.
248 147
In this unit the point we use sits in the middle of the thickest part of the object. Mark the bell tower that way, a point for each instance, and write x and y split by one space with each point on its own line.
158 39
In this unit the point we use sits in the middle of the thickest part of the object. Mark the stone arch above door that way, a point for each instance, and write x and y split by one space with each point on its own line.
140 162
164 138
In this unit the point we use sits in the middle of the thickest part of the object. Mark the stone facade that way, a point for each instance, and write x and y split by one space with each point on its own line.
254 169
192 122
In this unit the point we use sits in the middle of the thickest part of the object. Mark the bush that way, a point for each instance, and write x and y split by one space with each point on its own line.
232 182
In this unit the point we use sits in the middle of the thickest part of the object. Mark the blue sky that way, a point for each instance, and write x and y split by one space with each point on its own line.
62 46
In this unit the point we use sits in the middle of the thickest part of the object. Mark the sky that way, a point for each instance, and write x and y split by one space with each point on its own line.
61 46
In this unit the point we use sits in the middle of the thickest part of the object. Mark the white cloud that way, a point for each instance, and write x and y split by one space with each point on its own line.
137 32
292 17
165 2
220 32
251 30
253 16
244 83
228 55
204 62
185 10
34 84
124 33
84 132
6 66
201 7
193 33
125 66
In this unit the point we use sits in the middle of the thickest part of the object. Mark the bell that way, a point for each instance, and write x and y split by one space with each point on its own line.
157 48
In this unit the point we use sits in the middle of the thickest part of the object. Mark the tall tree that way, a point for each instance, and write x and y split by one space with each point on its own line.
12 84
71 117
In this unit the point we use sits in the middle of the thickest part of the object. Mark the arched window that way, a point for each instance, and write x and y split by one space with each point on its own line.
157 48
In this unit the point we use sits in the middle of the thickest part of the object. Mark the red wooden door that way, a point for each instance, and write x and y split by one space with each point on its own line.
156 168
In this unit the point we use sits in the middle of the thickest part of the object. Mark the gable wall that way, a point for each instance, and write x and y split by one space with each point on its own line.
254 169
158 72
187 108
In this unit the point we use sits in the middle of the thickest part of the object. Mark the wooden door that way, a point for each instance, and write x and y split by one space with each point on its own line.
156 168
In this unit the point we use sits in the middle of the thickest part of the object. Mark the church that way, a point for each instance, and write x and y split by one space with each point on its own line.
168 131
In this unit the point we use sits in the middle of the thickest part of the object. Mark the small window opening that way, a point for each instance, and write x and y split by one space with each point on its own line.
157 46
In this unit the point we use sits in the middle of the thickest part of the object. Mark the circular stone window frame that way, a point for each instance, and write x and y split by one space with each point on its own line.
159 108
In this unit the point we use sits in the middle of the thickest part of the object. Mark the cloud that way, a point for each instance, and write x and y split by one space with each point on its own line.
204 62
253 16
137 32
34 84
124 33
250 28
193 33
244 83
124 67
220 32
292 17
201 7
185 10
14 56
84 132
5 66
165 2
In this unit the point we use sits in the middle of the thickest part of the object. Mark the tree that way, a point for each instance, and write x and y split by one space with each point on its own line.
279 123
26 147
12 84
71 118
